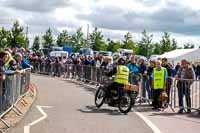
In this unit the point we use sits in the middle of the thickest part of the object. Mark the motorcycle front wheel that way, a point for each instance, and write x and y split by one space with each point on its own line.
100 96
125 103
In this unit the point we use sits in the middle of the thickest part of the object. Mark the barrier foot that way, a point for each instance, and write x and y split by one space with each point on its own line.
5 123
31 94
143 100
171 108
23 101
18 112
1 131
17 109
23 104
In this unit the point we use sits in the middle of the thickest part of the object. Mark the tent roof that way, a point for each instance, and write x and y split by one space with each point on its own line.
176 53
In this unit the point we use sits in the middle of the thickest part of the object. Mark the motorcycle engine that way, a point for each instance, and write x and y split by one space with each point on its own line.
114 94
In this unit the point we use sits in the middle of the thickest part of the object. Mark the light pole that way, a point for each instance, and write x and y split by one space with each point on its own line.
27 42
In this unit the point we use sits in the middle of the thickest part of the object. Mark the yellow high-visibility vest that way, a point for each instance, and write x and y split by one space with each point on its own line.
122 74
7 64
158 78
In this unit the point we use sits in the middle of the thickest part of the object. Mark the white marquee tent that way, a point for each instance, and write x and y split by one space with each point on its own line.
175 56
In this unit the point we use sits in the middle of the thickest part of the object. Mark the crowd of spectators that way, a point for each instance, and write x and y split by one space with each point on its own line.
14 61
141 72
140 69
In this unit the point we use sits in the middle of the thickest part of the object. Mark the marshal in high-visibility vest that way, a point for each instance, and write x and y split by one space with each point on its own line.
159 78
122 74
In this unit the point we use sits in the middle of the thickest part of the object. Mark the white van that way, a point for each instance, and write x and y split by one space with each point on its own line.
125 52
59 53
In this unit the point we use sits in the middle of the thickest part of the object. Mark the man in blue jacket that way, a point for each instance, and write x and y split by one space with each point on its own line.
134 70
20 62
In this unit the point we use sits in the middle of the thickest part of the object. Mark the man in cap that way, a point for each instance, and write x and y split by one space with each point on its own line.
21 64
185 77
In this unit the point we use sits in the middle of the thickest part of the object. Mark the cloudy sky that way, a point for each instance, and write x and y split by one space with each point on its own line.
114 17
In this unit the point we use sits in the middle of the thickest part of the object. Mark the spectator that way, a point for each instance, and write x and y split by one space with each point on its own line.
110 63
87 74
185 75
104 64
150 68
134 70
143 71
64 60
14 51
8 68
98 62
198 71
177 67
8 62
195 67
168 67
20 63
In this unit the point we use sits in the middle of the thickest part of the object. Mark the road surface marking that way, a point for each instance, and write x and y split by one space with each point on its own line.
148 122
27 128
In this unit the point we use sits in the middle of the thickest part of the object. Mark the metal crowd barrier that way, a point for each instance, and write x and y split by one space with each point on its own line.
190 93
80 72
185 94
11 89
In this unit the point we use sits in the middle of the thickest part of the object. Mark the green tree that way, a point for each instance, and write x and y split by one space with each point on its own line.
174 44
48 40
128 42
188 46
78 40
36 43
113 46
166 43
97 40
157 49
145 46
116 46
63 39
4 38
17 36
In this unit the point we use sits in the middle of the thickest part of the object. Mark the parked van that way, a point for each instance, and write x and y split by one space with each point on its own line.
59 54
125 52
86 51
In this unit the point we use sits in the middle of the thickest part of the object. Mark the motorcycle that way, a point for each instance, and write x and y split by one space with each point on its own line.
123 98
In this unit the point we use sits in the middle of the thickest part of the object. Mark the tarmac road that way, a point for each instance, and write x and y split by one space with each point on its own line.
74 112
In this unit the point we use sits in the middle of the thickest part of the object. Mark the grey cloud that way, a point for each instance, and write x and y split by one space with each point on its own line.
36 5
47 20
7 17
149 2
171 18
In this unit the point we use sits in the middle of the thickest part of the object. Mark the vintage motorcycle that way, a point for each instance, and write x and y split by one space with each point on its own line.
123 98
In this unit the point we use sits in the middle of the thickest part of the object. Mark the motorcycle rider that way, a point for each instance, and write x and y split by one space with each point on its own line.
121 76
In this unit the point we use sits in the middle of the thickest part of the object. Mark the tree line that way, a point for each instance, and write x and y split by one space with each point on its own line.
96 40
14 37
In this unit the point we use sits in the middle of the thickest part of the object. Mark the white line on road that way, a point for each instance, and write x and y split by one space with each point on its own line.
27 128
148 122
